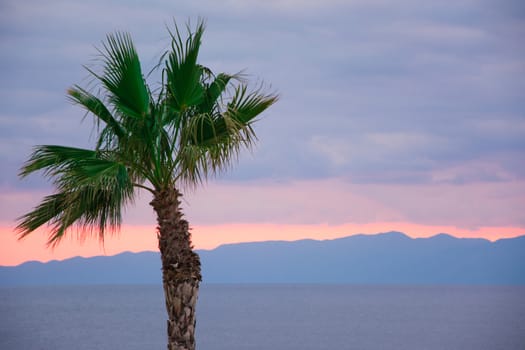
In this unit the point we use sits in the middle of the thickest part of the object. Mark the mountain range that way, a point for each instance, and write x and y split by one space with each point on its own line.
386 258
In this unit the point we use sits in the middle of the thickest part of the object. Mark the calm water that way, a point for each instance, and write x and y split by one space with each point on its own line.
268 317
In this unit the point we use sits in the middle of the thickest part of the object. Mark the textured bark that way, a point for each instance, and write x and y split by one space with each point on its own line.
181 271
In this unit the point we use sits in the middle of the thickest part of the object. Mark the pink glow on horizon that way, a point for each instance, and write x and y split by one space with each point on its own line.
316 209
143 238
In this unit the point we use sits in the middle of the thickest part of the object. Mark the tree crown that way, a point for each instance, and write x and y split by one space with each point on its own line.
191 127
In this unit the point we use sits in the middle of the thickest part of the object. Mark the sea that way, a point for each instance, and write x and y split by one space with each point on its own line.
261 317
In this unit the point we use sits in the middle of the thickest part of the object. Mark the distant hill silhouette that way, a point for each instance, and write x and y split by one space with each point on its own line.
387 258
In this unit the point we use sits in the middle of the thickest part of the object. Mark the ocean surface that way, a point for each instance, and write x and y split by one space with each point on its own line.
265 317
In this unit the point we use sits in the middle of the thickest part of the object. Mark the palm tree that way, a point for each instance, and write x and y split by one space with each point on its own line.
163 140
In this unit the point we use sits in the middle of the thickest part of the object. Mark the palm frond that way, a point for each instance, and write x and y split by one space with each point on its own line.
245 106
94 105
54 159
95 171
50 208
122 76
214 91
90 196
210 143
234 125
183 74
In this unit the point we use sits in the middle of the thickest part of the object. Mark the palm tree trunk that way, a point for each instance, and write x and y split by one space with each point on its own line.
181 271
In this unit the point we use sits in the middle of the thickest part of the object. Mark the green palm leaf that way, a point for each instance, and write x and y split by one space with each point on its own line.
94 105
54 159
234 125
245 106
123 78
214 91
183 74
47 211
91 189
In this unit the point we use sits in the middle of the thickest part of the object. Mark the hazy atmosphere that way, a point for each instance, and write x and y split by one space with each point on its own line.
406 115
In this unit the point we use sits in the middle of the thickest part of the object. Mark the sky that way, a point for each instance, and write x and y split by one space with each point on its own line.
401 115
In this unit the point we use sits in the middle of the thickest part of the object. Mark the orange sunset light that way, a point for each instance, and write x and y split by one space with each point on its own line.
143 238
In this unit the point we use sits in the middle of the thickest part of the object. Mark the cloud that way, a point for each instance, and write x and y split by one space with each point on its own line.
337 202
371 91
448 202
